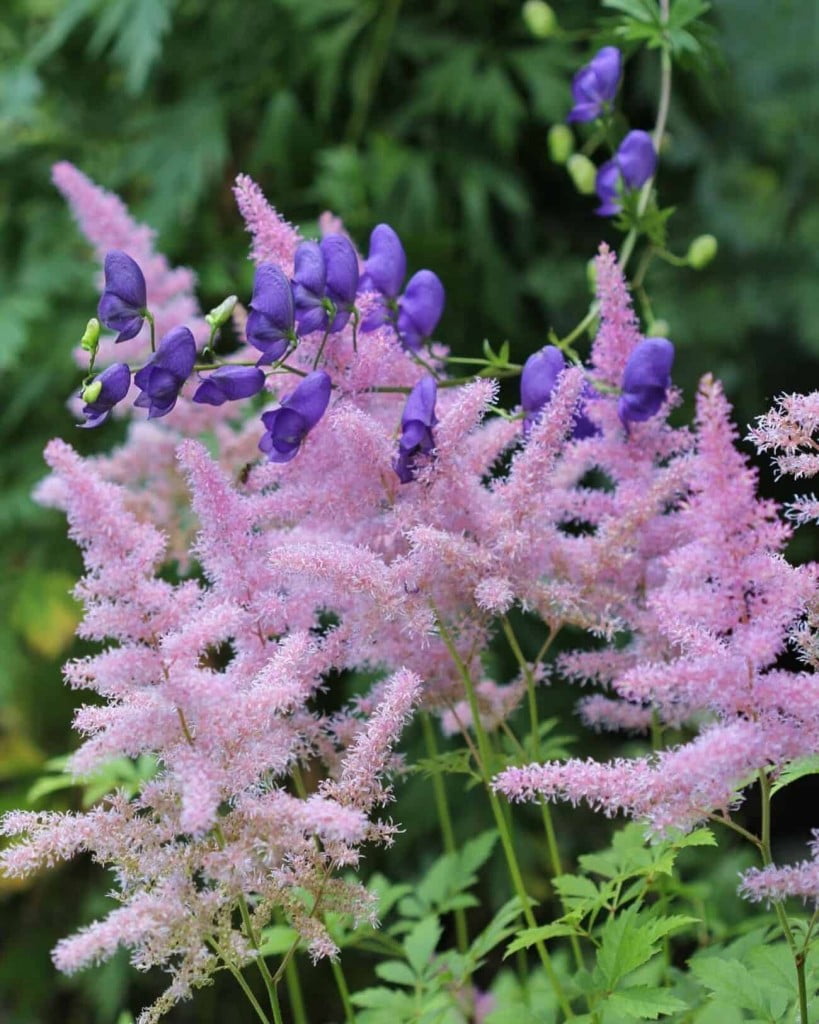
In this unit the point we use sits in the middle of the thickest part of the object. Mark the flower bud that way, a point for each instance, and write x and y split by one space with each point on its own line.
539 18
582 172
91 339
591 275
658 328
561 143
220 314
701 251
91 392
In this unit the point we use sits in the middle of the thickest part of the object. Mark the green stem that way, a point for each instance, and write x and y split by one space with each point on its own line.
294 993
445 822
343 991
237 974
500 820
150 318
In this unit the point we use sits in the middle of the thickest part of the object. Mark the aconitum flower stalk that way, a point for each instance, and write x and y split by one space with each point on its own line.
229 384
161 379
595 85
417 422
271 320
103 393
122 306
646 380
420 309
630 168
325 276
288 425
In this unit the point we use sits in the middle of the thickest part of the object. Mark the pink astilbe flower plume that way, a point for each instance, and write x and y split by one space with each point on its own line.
274 240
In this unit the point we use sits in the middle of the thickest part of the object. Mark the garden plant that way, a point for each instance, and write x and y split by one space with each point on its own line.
324 533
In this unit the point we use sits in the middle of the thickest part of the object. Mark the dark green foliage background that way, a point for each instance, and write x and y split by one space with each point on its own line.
429 115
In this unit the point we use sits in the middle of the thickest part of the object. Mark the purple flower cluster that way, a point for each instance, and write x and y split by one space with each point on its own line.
595 85
416 312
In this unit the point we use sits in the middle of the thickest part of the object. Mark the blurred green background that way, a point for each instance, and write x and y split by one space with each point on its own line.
432 116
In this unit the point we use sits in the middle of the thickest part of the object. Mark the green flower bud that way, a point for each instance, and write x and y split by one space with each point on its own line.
658 329
220 314
539 18
561 143
591 275
91 392
91 339
701 251
582 172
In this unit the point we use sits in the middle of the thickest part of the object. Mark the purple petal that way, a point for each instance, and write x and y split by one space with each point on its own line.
341 262
124 279
309 269
646 379
176 352
608 176
272 307
420 404
420 308
228 384
115 382
595 85
311 397
636 158
386 265
539 376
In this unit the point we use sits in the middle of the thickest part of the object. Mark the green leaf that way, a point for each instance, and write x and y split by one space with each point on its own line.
499 928
420 944
476 852
798 769
731 981
631 939
396 972
578 894
530 936
640 10
644 1002
383 999
277 939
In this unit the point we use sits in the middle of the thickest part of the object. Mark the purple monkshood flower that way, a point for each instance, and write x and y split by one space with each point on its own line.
420 309
122 306
161 379
288 425
270 323
631 166
595 85
417 422
110 387
384 272
646 380
324 273
229 383
537 382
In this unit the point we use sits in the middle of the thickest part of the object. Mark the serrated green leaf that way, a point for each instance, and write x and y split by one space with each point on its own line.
643 1002
277 939
499 928
420 943
531 936
476 852
382 999
641 10
396 972
631 939
578 893
798 769
731 981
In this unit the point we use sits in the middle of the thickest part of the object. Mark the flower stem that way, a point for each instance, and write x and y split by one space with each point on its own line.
237 974
343 991
445 822
294 993
500 820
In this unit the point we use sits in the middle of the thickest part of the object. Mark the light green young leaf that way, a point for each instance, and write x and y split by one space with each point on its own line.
499 928
644 1002
530 936
420 943
396 972
277 939
796 770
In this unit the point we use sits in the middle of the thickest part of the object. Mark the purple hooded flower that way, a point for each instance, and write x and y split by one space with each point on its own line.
103 393
646 380
631 166
229 383
270 323
595 85
122 306
161 379
341 262
420 309
417 422
288 425
324 273
537 382
384 272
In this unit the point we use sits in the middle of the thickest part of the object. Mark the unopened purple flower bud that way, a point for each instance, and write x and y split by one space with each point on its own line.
271 321
386 264
420 309
630 168
595 85
288 425
103 393
122 306
309 282
646 380
417 422
161 379
228 384
341 263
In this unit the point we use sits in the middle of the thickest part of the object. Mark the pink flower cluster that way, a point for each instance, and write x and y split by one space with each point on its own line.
652 540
